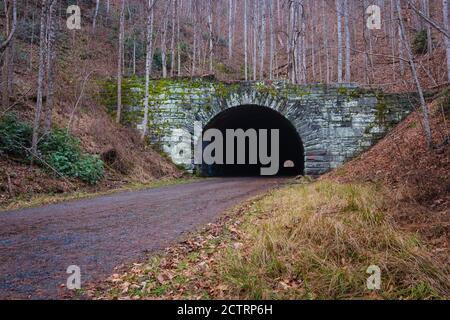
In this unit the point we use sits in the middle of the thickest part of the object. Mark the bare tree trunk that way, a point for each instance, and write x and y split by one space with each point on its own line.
262 39
178 40
445 8
327 49
211 45
11 33
313 49
426 8
246 40
230 29
94 20
347 42
164 47
271 49
148 66
51 58
41 72
194 45
339 35
172 41
303 43
6 62
425 111
255 37
8 53
120 61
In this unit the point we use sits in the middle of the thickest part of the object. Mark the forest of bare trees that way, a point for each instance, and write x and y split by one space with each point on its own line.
303 41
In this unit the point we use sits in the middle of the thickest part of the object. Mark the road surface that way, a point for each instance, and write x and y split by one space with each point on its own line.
38 245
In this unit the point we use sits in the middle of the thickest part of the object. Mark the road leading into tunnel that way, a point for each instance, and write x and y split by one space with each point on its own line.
38 245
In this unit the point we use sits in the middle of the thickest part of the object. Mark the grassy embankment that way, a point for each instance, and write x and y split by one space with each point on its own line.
303 241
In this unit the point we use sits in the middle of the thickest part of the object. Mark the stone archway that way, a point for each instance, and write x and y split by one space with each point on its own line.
252 119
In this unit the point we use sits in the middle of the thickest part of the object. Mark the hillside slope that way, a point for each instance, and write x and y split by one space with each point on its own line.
418 179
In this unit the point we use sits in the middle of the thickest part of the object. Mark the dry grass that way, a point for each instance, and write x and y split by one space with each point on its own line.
304 241
317 241
44 199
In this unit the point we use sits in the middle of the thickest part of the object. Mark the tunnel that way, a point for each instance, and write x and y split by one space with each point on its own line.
255 118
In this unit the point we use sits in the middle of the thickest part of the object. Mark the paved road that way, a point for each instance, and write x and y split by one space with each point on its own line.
37 245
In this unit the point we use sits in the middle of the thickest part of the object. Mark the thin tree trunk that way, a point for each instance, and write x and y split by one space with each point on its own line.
11 33
327 49
339 35
271 50
178 40
262 39
164 48
148 66
41 72
94 20
194 45
425 111
211 45
120 61
446 19
51 58
246 40
172 41
255 37
6 62
347 42
230 29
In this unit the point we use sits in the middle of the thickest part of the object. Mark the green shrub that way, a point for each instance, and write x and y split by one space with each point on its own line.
62 142
62 151
59 149
89 169
420 42
15 136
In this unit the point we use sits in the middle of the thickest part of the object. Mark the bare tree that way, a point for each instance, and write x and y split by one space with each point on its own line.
7 49
325 42
164 44
172 41
230 29
246 40
425 112
10 33
445 13
41 73
210 28
347 42
94 20
148 65
51 57
271 34
194 45
339 35
120 60
262 37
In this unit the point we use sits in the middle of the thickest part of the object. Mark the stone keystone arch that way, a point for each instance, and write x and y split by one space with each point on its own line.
335 123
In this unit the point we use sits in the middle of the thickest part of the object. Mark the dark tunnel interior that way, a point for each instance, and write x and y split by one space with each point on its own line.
291 153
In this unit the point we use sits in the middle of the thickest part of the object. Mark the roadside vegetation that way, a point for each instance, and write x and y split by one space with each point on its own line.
304 241
58 151
316 240
43 199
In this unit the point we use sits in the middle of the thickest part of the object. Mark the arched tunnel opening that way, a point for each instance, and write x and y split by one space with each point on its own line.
255 119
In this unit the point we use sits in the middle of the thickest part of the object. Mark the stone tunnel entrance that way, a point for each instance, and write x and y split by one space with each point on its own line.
291 153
